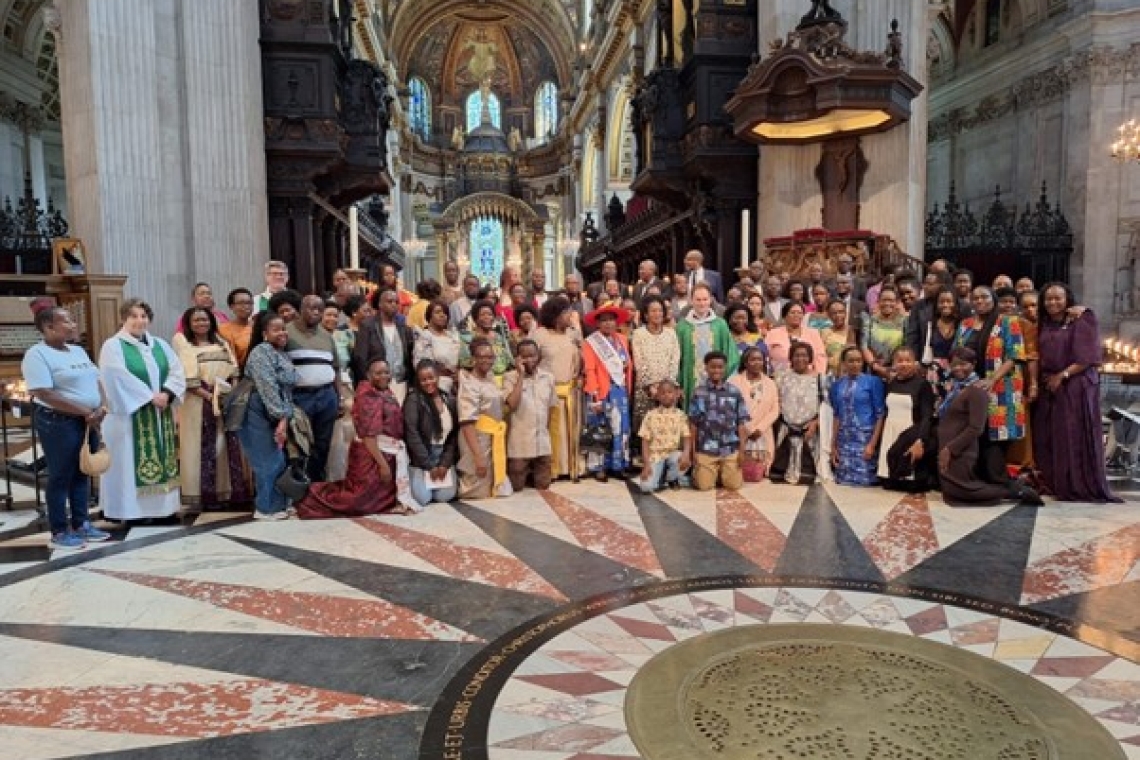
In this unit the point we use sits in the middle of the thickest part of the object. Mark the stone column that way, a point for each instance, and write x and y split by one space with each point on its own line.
163 143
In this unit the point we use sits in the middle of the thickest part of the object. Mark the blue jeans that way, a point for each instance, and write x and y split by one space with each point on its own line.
669 467
61 437
322 405
265 459
420 491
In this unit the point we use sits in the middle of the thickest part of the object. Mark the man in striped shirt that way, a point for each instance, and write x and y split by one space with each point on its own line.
318 392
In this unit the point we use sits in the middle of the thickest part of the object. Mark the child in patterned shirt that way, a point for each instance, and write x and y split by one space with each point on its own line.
664 441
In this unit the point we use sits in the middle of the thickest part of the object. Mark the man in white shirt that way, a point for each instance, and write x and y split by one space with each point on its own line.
276 280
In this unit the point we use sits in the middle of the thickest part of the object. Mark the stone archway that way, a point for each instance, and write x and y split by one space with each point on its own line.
524 229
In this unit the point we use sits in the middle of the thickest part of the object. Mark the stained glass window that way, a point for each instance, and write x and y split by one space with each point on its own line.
420 108
545 111
475 110
487 249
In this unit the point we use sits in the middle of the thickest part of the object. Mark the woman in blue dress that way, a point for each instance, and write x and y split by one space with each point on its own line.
859 401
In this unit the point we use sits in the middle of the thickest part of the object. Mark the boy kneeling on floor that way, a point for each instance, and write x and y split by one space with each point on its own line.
718 415
664 441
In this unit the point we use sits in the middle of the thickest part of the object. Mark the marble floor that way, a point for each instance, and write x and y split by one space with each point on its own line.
510 629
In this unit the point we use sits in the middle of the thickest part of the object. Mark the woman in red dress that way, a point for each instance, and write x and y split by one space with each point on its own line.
370 484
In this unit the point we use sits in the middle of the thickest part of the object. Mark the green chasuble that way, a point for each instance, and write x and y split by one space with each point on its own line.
152 430
690 363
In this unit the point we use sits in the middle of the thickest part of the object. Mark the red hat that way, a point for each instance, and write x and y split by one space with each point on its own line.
622 315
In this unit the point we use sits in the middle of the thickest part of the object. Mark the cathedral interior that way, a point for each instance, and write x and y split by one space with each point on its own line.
186 141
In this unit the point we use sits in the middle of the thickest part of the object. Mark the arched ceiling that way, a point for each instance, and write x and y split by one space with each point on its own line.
24 32
451 43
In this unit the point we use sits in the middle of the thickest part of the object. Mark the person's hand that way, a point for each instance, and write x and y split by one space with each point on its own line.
438 473
811 429
160 400
685 463
869 452
916 452
834 457
1031 396
646 471
95 419
385 471
987 385
279 433
1055 382
481 468
944 461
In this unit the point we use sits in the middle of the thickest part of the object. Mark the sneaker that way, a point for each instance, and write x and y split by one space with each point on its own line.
272 516
90 533
67 541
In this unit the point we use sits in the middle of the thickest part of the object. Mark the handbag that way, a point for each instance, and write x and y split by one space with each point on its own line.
927 351
753 468
597 437
236 403
93 463
293 481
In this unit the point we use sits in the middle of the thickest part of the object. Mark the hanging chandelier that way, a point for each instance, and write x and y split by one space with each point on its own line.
1127 145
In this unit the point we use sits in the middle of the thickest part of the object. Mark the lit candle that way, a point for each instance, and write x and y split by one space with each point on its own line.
745 236
354 237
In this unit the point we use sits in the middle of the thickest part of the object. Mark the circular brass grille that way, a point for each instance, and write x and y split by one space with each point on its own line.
784 692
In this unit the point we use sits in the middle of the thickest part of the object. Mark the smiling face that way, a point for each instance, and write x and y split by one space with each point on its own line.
483 358
888 303
800 359
904 364
242 306
485 318
62 328
518 295
607 324
754 365
908 295
716 368
963 285
853 362
947 305
702 302
1030 306
960 369
655 314
275 333
738 322
428 380
820 296
438 316
528 358
312 310
137 322
200 324
1055 302
837 313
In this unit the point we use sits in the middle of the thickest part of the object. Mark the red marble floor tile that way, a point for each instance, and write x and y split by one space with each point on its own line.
904 538
933 619
1134 740
644 629
981 632
753 608
707 610
467 562
1127 713
186 709
676 618
574 684
590 661
1106 689
576 737
835 608
1101 562
745 528
1071 667
319 613
603 536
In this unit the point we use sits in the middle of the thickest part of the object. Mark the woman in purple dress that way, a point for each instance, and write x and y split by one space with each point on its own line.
1067 441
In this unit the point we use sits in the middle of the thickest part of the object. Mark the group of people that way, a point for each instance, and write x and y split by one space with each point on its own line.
395 400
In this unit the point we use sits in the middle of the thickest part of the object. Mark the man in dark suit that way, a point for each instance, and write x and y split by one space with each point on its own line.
646 278
773 301
598 289
845 264
580 304
856 308
695 272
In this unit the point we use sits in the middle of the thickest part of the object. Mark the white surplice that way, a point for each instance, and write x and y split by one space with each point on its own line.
126 394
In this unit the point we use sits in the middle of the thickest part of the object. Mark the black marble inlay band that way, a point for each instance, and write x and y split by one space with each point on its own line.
457 726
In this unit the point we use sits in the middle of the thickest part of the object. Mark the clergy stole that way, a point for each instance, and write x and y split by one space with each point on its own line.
152 430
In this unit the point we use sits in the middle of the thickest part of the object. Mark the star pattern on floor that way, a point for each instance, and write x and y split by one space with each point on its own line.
342 637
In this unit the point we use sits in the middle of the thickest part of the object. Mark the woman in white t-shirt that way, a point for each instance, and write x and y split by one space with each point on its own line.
64 383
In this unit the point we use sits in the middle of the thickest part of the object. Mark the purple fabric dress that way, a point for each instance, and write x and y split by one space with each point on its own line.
1067 438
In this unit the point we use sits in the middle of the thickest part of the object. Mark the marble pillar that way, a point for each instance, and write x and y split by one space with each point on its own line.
163 143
